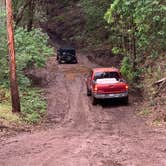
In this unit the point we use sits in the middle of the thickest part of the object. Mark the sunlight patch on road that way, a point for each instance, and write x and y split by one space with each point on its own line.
71 72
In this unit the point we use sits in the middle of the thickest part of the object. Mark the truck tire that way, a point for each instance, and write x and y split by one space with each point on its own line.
59 61
126 100
88 92
94 100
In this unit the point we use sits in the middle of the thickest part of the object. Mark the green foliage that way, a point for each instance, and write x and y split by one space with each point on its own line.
33 106
140 25
4 95
147 16
37 10
31 48
116 50
3 48
128 72
94 11
31 51
59 18
96 27
126 69
7 115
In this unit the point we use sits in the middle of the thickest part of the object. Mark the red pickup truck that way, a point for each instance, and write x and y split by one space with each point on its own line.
106 83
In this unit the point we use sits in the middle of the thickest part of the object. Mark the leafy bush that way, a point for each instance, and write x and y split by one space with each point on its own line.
139 30
33 106
95 28
128 72
94 13
116 50
31 50
126 69
3 50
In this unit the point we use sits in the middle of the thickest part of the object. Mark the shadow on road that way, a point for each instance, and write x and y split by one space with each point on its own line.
109 103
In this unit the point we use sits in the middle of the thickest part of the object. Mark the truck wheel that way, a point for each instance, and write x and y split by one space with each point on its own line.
126 100
76 61
88 92
59 61
94 101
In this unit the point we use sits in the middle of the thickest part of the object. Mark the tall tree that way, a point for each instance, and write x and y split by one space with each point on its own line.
31 7
13 78
21 10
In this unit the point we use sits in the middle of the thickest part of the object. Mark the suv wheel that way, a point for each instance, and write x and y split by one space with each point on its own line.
59 61
75 61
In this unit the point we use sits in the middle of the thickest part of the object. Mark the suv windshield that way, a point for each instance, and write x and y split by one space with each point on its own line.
66 51
101 75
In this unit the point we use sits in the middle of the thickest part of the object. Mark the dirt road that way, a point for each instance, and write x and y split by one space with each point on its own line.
79 134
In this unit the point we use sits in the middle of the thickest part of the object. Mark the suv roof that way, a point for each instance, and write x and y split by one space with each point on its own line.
66 48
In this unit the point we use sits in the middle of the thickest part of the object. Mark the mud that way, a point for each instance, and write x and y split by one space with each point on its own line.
79 134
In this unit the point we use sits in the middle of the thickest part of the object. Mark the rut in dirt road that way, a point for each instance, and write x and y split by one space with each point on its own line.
79 134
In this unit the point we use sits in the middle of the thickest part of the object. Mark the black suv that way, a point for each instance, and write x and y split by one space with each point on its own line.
66 55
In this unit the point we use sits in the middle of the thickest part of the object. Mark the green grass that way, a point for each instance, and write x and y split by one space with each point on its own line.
33 107
7 115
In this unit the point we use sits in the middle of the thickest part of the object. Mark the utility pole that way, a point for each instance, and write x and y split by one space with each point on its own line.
13 77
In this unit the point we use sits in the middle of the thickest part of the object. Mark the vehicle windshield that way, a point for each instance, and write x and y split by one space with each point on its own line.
101 75
67 51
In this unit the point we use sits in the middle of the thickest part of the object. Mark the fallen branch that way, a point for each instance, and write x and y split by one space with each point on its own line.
161 84
161 81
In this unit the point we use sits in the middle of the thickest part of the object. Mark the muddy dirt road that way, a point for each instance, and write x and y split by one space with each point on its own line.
79 134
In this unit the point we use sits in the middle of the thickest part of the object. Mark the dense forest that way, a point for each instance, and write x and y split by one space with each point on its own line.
135 30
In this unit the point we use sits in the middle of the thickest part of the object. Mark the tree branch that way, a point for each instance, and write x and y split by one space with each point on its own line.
21 11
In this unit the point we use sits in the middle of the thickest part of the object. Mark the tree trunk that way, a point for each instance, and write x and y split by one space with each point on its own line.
133 45
13 78
30 15
134 48
21 11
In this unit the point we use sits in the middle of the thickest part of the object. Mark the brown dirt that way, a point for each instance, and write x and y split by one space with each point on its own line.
79 134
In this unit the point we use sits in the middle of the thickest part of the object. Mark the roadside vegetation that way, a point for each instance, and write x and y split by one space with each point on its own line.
32 51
